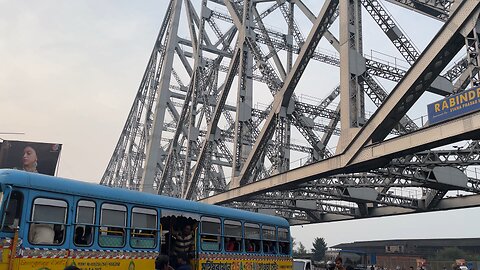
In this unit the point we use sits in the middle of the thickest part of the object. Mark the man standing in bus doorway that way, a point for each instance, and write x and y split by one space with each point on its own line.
184 240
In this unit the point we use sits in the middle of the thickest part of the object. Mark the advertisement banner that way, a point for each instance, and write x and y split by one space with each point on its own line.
30 156
454 106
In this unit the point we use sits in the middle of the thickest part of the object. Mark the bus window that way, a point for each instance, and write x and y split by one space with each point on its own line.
210 234
269 238
252 237
283 241
85 222
144 228
48 222
13 213
113 219
232 236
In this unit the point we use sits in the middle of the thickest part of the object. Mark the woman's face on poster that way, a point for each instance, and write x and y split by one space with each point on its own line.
29 156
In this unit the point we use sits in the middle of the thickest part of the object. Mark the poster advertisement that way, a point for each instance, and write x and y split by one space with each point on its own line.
454 106
35 157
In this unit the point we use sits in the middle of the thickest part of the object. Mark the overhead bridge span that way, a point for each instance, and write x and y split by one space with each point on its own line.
310 110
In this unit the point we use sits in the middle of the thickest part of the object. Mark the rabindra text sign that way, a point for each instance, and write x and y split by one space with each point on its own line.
454 106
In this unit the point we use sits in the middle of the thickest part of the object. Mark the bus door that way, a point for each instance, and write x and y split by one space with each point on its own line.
179 236
10 228
195 264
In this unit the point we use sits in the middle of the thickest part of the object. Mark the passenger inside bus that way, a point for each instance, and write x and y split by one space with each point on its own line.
249 246
269 247
230 244
88 234
42 234
80 236
284 248
59 232
255 245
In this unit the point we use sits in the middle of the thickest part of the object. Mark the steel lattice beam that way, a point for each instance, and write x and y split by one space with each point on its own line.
200 115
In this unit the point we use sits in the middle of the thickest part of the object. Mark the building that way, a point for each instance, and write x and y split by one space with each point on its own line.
404 253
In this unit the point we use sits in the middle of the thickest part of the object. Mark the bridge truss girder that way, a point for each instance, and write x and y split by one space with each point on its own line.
213 141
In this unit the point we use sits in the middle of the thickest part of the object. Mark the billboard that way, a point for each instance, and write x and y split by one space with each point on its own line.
30 156
454 106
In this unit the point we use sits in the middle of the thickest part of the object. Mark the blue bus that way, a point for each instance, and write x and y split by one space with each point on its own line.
50 222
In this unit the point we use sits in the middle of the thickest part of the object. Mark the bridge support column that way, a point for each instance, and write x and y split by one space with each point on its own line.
352 66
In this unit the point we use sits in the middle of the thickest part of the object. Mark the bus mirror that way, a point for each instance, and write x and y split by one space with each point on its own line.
7 191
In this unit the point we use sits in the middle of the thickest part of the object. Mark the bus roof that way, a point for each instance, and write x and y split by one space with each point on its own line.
78 188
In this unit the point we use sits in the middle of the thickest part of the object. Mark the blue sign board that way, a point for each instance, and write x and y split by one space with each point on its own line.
454 106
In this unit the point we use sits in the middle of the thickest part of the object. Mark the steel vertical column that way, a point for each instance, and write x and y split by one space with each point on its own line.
199 84
152 151
244 95
352 66
286 125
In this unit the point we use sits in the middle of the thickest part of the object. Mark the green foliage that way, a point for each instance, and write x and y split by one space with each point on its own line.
300 250
450 254
476 257
319 248
472 257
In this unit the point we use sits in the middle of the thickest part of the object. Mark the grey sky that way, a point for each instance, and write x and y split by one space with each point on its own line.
69 72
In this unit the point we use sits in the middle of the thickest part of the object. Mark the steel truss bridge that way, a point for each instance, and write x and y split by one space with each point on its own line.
280 106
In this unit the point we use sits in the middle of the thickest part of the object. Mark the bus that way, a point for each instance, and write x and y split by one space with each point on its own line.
48 223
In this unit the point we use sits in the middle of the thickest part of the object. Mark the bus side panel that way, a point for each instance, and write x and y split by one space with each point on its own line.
83 264
244 262
5 257
111 264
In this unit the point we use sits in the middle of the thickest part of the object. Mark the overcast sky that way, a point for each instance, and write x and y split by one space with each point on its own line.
69 71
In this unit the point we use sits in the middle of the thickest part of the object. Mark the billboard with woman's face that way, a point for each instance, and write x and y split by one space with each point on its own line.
30 156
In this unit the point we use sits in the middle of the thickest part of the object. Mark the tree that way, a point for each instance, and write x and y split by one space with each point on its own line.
319 248
450 254
300 250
